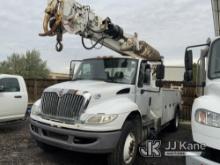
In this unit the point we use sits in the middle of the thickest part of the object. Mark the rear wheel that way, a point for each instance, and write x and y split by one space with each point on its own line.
126 150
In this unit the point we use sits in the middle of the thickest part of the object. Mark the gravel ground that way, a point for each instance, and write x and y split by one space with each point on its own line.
18 148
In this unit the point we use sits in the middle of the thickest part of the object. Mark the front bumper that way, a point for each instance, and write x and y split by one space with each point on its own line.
74 140
206 135
199 160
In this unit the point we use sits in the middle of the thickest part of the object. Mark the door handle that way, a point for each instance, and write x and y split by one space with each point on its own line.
18 97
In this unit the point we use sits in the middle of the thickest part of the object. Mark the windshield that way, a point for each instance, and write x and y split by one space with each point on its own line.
115 70
214 61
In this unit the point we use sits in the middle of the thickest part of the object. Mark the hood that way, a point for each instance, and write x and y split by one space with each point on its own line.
99 90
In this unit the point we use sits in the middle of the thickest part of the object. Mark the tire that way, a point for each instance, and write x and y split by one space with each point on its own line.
174 124
45 147
128 142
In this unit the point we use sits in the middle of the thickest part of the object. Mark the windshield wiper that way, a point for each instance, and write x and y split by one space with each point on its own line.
95 79
78 79
116 82
110 81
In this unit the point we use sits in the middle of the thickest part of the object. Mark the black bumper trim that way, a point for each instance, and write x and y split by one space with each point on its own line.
105 142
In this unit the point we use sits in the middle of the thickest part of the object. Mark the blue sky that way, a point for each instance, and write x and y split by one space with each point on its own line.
168 25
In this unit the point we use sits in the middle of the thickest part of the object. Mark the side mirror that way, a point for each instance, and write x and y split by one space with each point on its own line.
160 72
188 75
188 60
141 81
159 83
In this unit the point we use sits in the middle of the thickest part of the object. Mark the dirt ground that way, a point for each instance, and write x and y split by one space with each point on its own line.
18 148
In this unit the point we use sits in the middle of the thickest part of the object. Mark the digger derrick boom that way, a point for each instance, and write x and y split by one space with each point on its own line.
216 16
69 16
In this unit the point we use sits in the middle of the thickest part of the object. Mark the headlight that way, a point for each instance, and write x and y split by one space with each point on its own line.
36 109
208 118
101 119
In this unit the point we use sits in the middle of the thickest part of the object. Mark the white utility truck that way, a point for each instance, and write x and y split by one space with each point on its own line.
13 98
205 111
112 104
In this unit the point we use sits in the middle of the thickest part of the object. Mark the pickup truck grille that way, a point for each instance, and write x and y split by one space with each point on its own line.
64 108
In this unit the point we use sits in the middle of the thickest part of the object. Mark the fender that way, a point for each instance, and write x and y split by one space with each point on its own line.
114 106
204 134
208 102
121 106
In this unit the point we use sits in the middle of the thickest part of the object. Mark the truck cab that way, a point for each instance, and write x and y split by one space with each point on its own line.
110 106
13 98
205 111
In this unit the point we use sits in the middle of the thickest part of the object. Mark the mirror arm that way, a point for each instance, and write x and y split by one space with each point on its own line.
194 46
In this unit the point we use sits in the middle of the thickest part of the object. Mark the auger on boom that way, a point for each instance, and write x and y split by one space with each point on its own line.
69 16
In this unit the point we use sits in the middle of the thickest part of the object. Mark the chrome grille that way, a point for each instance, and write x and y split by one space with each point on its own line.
49 103
66 107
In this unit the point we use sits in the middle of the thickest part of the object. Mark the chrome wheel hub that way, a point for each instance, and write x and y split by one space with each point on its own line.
129 148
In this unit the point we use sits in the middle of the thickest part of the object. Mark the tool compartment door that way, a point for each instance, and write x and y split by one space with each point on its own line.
169 105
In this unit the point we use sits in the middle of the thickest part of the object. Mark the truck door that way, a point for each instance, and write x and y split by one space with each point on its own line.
11 98
143 98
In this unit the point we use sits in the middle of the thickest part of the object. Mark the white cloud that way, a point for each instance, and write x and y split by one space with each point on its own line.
168 25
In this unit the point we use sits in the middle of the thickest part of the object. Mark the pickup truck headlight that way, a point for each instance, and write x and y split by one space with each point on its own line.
36 109
208 118
101 119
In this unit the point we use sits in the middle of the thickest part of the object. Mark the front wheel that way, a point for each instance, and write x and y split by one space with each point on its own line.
126 150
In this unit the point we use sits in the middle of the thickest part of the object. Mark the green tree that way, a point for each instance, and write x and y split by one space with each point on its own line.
29 65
